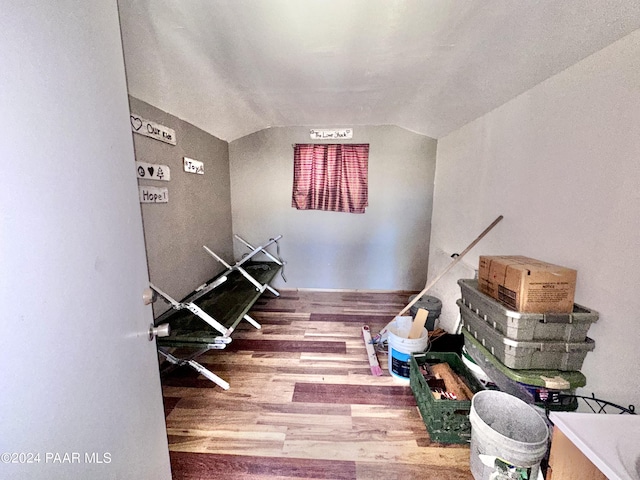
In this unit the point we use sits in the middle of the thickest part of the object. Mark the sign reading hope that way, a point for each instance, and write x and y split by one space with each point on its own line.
153 194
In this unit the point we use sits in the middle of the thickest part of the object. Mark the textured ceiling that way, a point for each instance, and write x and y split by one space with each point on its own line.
234 67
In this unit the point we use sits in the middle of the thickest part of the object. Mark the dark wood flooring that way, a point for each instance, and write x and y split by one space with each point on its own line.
303 403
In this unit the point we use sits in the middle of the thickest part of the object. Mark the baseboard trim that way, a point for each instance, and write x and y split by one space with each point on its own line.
348 290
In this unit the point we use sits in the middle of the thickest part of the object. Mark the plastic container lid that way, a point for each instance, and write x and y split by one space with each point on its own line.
432 304
555 379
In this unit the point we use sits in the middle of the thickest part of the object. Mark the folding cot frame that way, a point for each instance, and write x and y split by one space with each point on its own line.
195 309
219 342
254 251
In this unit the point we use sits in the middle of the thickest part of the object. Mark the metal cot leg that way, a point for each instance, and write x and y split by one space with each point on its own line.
252 322
198 368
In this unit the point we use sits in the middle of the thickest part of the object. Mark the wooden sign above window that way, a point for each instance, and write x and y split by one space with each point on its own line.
333 134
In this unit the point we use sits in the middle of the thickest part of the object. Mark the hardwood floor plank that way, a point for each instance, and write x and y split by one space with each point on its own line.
353 394
227 445
221 404
260 345
283 367
354 378
245 388
169 404
383 411
377 451
184 377
231 430
303 403
251 358
282 331
403 471
350 318
406 420
188 466
268 318
348 433
277 310
331 422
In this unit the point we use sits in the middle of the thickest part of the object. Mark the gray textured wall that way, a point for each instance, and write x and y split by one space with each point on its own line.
386 248
198 212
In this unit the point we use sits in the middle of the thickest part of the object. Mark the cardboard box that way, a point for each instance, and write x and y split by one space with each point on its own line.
527 285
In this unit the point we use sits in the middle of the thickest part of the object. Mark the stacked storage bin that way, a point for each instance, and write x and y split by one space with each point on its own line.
532 356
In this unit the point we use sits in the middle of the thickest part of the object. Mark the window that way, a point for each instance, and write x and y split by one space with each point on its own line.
330 177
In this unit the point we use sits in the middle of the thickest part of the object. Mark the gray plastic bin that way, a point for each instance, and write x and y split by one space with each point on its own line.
542 388
431 304
525 355
568 327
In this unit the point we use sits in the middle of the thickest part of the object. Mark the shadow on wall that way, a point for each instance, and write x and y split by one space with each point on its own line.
447 289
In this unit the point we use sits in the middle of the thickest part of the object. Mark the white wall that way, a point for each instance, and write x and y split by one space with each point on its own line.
562 164
79 377
384 249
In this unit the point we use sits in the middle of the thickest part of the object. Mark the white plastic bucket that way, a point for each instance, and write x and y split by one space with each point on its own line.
505 428
401 347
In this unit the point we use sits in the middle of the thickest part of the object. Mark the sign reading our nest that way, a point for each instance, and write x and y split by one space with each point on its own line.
193 166
150 171
152 129
333 134
153 194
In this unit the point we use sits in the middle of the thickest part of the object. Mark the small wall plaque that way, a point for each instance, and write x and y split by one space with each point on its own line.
193 166
333 134
151 171
153 194
152 129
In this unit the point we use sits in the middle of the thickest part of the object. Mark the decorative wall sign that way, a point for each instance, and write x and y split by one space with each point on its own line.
153 194
150 171
193 166
333 134
152 129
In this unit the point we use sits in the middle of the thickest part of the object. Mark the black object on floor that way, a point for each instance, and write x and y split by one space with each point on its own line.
448 343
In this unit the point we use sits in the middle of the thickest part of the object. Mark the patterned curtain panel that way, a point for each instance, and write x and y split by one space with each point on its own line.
331 177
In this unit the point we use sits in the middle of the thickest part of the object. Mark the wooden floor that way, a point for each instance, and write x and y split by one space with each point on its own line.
303 403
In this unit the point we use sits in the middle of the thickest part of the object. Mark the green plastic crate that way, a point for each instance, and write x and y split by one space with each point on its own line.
447 421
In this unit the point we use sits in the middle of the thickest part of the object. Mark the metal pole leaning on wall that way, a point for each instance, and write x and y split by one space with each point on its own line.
451 265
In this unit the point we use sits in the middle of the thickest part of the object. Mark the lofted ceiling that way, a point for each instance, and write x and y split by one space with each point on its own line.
238 66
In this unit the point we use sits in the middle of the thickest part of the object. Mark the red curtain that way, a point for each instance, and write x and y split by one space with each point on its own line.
330 177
